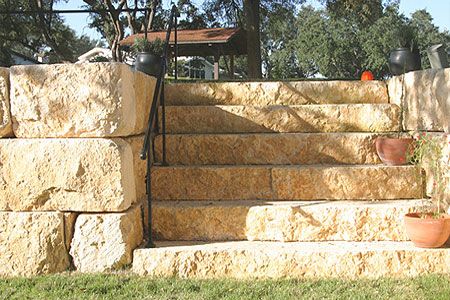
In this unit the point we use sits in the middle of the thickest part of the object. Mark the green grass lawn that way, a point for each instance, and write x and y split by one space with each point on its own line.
131 287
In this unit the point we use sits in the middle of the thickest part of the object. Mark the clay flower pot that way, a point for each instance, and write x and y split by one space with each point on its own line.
393 151
427 232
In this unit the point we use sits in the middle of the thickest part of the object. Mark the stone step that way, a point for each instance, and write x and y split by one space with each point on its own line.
276 93
283 221
314 182
294 118
270 149
245 260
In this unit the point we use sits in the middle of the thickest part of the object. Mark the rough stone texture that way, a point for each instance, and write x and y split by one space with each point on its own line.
432 188
79 100
283 221
425 98
276 93
104 242
33 243
268 148
245 260
139 165
69 224
286 182
302 118
66 174
5 113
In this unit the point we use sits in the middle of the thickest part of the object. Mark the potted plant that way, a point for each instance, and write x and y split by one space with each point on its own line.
148 55
405 57
431 229
393 150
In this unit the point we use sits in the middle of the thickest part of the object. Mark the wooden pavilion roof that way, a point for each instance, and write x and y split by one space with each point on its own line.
200 42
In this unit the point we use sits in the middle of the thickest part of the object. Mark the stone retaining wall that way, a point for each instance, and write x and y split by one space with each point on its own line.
71 183
424 99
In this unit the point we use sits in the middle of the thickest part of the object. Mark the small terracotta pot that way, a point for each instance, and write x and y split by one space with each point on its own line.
427 232
393 151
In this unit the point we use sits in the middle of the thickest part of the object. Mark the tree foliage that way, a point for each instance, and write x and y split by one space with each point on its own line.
38 33
349 36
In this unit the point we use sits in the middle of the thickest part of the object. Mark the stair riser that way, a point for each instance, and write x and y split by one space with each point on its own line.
273 149
248 260
284 222
309 118
286 183
276 93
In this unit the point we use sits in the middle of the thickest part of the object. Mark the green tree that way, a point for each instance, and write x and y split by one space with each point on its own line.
275 21
427 34
38 33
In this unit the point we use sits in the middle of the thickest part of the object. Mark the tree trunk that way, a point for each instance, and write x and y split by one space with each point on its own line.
251 10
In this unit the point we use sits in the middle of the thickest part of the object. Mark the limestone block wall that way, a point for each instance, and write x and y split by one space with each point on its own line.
5 115
424 100
71 183
424 97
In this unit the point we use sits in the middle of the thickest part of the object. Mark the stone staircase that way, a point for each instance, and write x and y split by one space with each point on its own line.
282 180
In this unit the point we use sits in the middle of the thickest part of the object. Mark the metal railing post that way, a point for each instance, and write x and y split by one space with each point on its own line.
163 126
148 147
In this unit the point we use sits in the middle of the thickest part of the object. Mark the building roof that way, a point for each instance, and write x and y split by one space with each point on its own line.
23 56
201 42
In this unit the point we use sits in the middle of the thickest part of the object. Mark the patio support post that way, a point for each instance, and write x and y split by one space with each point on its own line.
231 66
216 66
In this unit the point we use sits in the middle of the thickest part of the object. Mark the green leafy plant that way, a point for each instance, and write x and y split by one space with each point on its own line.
406 37
155 47
99 58
428 154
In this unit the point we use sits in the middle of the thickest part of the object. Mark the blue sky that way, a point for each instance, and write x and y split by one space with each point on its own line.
439 10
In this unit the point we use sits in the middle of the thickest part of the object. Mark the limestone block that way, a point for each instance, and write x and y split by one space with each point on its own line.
269 149
278 118
139 165
104 242
365 182
283 221
276 93
5 113
33 243
358 182
79 100
211 183
439 186
249 260
425 98
86 175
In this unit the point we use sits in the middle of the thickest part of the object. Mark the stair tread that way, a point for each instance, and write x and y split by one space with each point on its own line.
283 118
283 220
291 166
299 247
286 182
317 203
245 260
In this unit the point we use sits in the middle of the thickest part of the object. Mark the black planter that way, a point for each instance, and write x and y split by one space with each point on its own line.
402 60
148 63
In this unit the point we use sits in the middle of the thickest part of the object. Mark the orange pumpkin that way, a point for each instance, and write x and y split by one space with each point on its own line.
367 75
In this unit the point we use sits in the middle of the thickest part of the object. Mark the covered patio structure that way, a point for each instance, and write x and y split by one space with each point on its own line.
214 42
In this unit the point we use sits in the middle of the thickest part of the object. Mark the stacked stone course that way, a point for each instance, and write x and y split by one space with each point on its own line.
71 185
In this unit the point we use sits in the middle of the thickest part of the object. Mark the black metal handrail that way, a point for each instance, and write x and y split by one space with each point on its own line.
148 150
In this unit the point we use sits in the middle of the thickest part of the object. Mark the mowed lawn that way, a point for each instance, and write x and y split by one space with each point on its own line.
75 286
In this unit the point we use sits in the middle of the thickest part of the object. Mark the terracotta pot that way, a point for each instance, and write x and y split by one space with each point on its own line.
393 151
427 232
